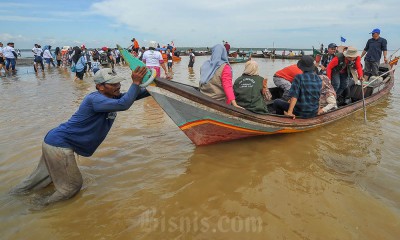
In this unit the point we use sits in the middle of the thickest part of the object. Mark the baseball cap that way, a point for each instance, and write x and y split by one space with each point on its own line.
376 30
332 45
107 75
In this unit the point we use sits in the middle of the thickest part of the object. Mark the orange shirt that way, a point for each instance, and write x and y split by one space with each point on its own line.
289 72
135 44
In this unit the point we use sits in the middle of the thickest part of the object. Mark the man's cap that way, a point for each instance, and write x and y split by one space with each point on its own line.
332 45
376 30
83 46
107 75
306 63
133 39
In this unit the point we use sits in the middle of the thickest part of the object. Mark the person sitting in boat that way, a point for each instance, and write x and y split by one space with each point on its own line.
304 92
327 100
251 89
283 79
216 76
338 70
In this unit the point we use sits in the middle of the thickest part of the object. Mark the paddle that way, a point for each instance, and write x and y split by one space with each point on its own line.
355 76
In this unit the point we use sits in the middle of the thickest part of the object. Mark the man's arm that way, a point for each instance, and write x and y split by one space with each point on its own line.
363 53
385 56
293 102
105 104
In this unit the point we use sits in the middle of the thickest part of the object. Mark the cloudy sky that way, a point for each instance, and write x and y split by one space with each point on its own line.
202 23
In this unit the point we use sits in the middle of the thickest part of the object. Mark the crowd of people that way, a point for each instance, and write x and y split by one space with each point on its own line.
309 88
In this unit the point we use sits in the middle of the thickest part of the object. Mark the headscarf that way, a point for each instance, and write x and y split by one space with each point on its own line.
251 68
327 88
77 54
218 57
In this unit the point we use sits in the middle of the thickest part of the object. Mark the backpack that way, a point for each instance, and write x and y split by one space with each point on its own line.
73 67
104 60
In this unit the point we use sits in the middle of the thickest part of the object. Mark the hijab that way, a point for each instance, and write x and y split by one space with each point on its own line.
218 57
251 68
77 54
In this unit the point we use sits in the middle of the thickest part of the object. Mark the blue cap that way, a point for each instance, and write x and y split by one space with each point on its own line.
376 30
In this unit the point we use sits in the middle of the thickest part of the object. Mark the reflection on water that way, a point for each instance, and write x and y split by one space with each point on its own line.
148 181
192 75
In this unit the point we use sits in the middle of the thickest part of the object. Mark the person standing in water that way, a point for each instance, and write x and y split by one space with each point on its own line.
81 134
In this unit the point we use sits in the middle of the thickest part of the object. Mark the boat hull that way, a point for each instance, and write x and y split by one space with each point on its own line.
207 121
204 125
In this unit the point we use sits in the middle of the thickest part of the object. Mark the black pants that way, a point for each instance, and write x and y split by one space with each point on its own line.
80 75
281 106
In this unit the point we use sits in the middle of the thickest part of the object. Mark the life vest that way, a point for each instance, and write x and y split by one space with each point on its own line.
341 63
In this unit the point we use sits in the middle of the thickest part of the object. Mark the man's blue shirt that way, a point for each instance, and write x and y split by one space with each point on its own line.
89 126
374 49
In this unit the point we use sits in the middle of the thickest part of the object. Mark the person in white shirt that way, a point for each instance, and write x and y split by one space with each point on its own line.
47 57
169 60
10 55
37 53
117 56
95 65
87 55
154 59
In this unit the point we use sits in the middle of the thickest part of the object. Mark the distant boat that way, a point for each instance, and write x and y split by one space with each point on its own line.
206 121
277 56
174 58
238 59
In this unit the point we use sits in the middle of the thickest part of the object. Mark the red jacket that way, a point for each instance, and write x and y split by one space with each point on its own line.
335 61
289 72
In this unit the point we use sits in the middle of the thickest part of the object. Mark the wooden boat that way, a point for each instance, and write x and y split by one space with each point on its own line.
202 53
278 56
233 55
238 59
207 121
257 55
174 58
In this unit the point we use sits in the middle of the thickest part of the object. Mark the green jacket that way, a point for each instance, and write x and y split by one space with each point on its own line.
248 93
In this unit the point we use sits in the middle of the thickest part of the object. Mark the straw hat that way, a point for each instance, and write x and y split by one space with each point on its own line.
351 52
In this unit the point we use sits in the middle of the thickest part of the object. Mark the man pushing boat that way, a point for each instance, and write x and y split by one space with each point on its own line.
81 134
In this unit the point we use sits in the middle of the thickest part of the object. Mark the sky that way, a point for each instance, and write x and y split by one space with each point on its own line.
204 23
